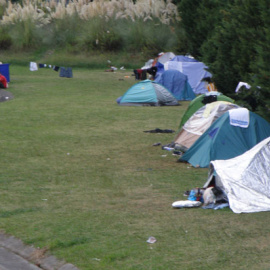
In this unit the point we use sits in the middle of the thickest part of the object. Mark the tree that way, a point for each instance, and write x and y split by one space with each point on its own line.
261 67
232 38
199 20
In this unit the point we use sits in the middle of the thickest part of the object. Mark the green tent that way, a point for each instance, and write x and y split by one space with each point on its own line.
223 140
200 101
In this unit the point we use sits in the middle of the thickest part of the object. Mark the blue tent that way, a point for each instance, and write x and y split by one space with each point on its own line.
177 83
148 93
182 58
222 140
194 69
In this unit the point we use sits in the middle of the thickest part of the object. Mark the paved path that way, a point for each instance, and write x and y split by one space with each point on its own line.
14 255
11 261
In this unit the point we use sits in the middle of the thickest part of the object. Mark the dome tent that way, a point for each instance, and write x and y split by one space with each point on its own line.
244 179
148 93
201 101
189 66
224 139
200 121
177 83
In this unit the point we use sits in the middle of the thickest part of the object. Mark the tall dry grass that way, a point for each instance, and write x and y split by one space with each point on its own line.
44 12
15 13
83 25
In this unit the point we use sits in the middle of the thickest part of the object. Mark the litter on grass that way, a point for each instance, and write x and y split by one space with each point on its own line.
151 240
208 198
156 144
186 203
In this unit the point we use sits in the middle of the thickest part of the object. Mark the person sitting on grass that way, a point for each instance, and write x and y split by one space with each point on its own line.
3 81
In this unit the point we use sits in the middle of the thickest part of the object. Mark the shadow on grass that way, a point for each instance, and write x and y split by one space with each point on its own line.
6 214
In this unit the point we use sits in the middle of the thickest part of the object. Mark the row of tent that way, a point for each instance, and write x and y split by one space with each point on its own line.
181 76
177 78
220 130
214 133
234 143
194 70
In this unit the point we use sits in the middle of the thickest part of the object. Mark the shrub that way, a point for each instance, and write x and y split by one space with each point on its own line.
23 24
102 35
63 32
5 39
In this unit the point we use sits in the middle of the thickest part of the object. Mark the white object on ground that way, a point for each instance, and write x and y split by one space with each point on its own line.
151 240
186 203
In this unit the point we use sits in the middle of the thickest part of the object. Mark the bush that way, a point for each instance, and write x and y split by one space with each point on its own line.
63 32
99 34
5 40
24 35
149 37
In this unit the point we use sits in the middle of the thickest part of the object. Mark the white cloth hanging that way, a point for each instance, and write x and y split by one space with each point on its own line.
33 66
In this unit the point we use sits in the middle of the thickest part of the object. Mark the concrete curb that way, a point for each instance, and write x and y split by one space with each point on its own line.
15 250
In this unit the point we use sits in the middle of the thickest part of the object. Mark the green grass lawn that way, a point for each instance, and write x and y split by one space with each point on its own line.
81 178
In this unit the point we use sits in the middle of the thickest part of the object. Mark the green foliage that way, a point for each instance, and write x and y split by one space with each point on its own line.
232 38
238 53
38 27
189 11
218 55
260 67
212 39
17 1
160 38
63 32
24 35
199 20
255 99
135 36
149 37
2 9
5 39
100 35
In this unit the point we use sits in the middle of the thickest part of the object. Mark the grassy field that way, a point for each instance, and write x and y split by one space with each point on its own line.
81 178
